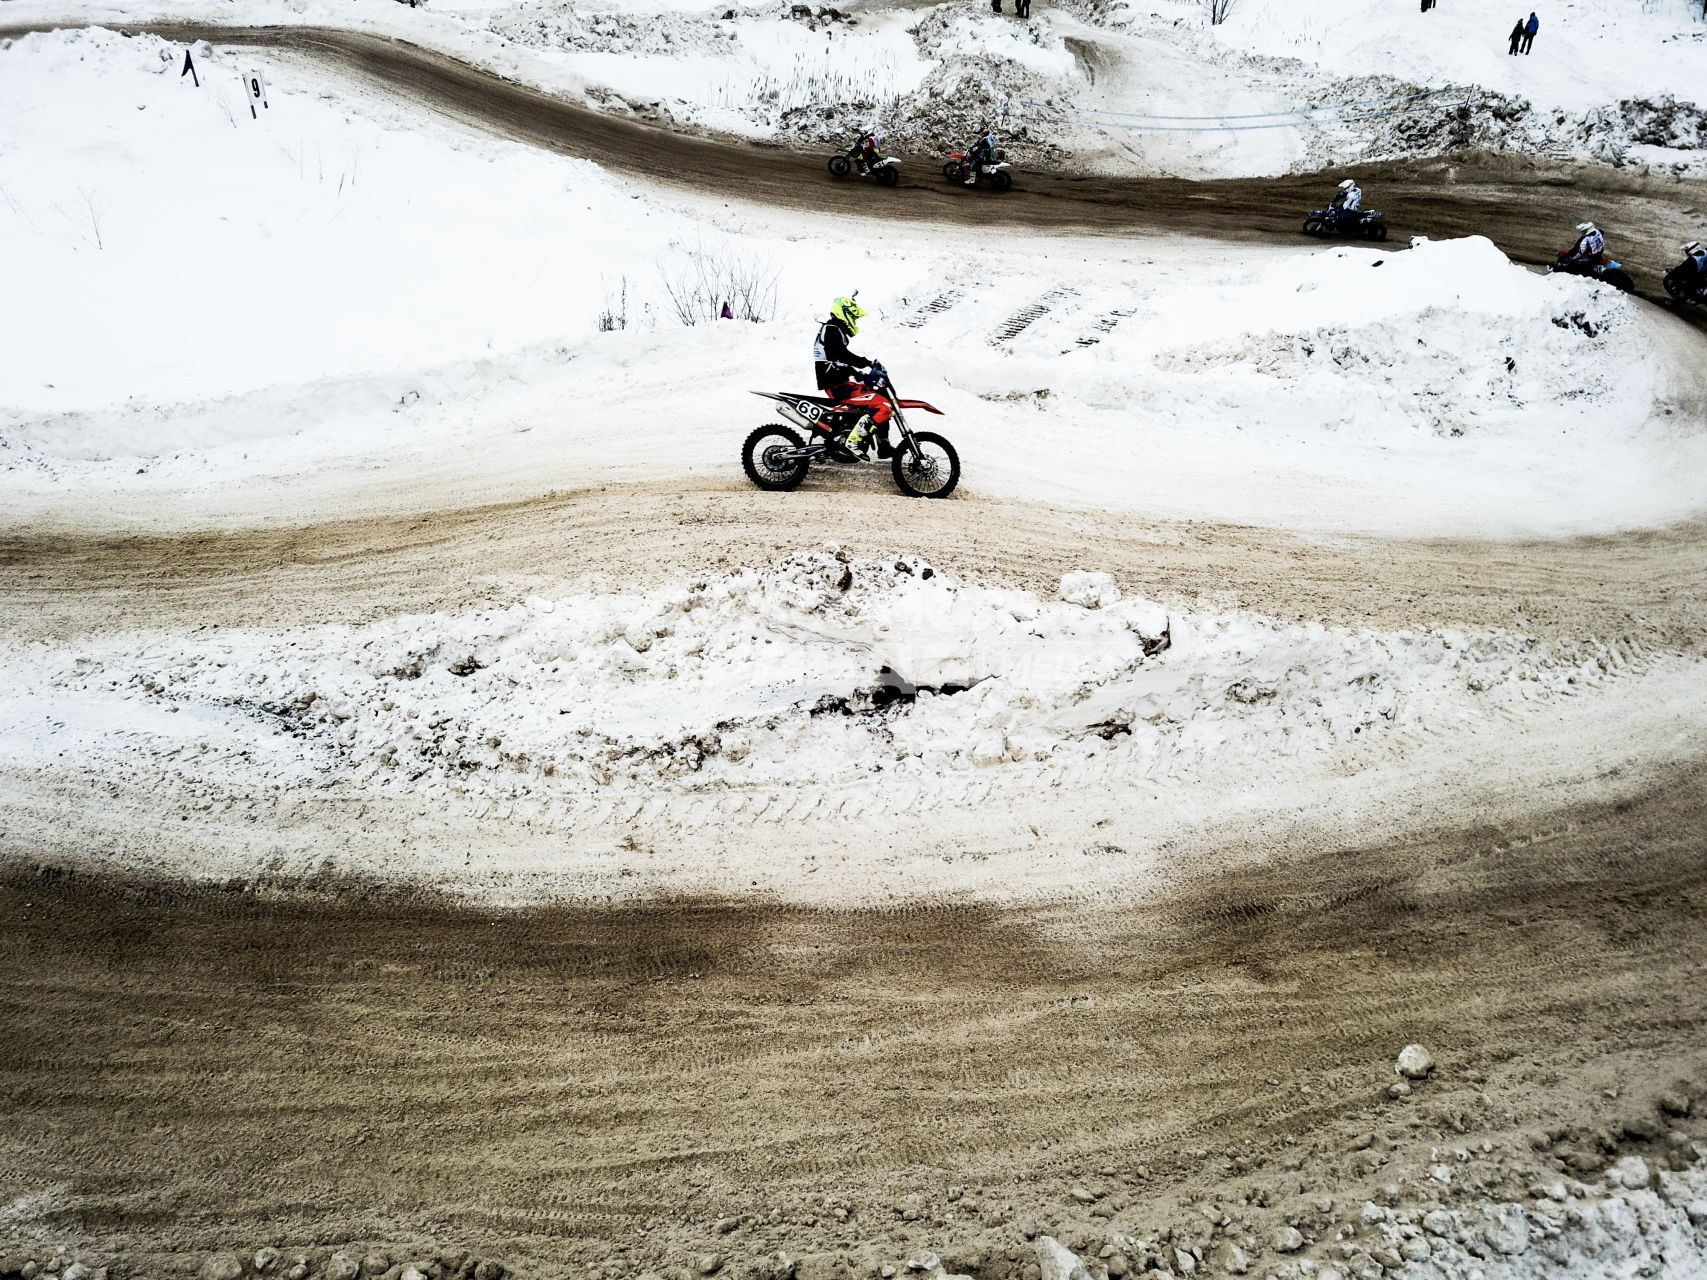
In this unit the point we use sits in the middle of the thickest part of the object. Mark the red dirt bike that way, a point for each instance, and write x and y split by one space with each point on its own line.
777 457
998 171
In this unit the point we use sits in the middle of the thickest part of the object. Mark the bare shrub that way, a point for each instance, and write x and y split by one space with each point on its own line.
1219 9
701 281
615 313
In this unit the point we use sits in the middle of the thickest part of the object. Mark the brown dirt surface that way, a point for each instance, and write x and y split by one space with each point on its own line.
560 1087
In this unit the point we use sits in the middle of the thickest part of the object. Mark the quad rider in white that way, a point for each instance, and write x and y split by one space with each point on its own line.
1347 201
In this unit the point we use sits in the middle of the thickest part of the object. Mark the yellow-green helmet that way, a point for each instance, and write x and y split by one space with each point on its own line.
848 312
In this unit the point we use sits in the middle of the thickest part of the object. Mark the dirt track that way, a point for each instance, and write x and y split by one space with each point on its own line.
194 1071
1526 206
184 1070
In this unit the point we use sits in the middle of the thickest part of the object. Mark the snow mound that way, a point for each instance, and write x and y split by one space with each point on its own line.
861 665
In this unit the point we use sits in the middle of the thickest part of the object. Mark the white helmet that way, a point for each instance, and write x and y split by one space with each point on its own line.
1693 248
1587 226
877 137
1347 185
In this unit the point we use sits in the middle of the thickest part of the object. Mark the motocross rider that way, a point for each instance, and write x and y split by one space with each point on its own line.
839 369
869 150
1347 201
1590 248
1694 252
980 153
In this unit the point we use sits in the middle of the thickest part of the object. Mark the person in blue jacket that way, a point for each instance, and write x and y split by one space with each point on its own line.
1529 30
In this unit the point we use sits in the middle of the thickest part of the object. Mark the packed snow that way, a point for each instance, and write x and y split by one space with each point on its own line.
1135 86
827 687
1435 390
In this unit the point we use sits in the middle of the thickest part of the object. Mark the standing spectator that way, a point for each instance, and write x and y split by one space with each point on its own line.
1023 8
1529 30
1517 36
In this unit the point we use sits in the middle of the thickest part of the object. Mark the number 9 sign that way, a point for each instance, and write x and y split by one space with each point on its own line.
255 89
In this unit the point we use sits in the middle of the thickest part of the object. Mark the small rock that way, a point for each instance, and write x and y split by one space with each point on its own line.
1286 1240
1398 1089
1323 1204
1415 1062
709 1264
924 1262
1082 1195
76 1271
723 1226
1631 1173
1089 590
340 1266
1674 1103
375 1264
221 1266
1416 1250
29 1271
1438 1222
1697 1211
412 1272
266 1259
1230 1258
887 1271
1055 1261
1506 1231
1442 1174
298 1271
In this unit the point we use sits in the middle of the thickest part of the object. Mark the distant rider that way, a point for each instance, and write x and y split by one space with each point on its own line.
1695 282
840 370
979 154
1590 248
1347 201
869 150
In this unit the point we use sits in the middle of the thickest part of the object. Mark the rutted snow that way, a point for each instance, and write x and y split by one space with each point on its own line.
734 681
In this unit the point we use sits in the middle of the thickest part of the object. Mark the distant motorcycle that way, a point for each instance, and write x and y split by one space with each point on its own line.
1686 284
1607 272
1369 224
776 457
999 172
847 162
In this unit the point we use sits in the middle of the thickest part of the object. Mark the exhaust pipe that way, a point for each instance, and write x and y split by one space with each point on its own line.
787 414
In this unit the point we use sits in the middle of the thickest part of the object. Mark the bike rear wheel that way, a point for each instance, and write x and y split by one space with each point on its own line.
763 458
929 468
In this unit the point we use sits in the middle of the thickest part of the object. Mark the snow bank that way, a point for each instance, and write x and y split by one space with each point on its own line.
734 680
840 676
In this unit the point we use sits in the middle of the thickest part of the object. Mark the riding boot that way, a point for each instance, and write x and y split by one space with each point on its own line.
857 437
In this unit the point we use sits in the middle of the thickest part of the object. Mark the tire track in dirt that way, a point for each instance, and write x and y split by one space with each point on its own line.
1518 201
1641 584
558 1081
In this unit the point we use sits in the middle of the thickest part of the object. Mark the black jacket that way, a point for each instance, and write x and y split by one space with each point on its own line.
831 358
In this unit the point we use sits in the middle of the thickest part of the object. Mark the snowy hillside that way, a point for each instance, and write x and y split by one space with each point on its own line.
1115 84
290 308
1124 85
